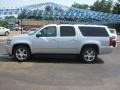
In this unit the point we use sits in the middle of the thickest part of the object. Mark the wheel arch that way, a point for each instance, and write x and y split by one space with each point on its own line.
21 44
90 45
6 32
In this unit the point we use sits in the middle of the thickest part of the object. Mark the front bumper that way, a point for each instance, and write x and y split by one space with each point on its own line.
8 49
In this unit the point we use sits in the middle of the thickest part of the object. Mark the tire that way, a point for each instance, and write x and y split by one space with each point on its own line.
114 43
6 33
21 53
88 55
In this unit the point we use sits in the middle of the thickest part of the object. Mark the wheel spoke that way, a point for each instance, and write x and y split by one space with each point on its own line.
85 56
89 58
25 55
19 50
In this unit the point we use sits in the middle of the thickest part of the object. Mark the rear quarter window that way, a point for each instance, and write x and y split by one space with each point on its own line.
93 31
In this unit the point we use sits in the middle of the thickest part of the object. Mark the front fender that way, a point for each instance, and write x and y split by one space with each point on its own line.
25 42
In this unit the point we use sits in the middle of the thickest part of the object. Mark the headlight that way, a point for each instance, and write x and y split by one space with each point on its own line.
8 42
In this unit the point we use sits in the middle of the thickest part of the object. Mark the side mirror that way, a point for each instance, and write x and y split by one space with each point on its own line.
38 35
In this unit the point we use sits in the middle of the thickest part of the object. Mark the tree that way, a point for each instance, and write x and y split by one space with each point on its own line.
48 8
10 17
102 6
3 23
22 15
80 6
116 8
39 14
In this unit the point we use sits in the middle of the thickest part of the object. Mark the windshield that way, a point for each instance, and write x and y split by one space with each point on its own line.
31 32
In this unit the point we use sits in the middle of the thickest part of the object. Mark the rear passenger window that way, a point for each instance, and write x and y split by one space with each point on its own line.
67 31
94 31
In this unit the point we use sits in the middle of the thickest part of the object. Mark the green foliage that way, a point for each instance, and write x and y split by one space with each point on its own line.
10 17
40 14
80 6
102 6
23 15
116 8
48 8
3 23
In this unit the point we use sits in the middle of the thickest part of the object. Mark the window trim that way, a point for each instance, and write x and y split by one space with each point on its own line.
47 27
67 26
92 35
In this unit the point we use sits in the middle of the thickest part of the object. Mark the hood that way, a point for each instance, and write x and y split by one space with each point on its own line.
22 36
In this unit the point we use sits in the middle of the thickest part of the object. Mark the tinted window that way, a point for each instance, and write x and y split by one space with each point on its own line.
93 31
67 31
49 31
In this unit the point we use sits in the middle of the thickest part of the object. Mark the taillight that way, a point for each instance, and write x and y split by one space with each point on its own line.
110 41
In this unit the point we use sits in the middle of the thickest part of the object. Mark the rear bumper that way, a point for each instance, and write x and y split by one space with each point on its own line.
106 50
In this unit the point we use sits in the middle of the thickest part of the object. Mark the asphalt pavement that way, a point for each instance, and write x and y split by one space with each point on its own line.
58 72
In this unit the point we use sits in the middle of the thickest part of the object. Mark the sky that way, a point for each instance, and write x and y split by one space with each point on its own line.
20 3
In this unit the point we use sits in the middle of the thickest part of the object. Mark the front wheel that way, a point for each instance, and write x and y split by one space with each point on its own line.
21 53
89 55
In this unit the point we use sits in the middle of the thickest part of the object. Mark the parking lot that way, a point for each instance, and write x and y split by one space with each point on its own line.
12 33
59 72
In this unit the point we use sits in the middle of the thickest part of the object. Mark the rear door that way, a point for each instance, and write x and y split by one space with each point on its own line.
68 40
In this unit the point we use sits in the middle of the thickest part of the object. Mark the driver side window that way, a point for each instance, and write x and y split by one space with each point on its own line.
49 32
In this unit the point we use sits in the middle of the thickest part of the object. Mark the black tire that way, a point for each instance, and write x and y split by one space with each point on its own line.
92 56
6 33
21 47
114 43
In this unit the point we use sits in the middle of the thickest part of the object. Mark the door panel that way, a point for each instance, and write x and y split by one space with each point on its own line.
68 40
68 45
47 42
45 45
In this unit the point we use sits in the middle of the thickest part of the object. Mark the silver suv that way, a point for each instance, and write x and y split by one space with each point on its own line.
87 41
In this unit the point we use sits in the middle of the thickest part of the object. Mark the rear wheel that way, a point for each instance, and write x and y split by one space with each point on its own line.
21 53
89 55
6 33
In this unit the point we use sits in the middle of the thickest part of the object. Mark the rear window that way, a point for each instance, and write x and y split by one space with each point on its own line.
94 31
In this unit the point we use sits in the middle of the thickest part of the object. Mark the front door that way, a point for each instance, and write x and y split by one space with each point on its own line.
46 40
